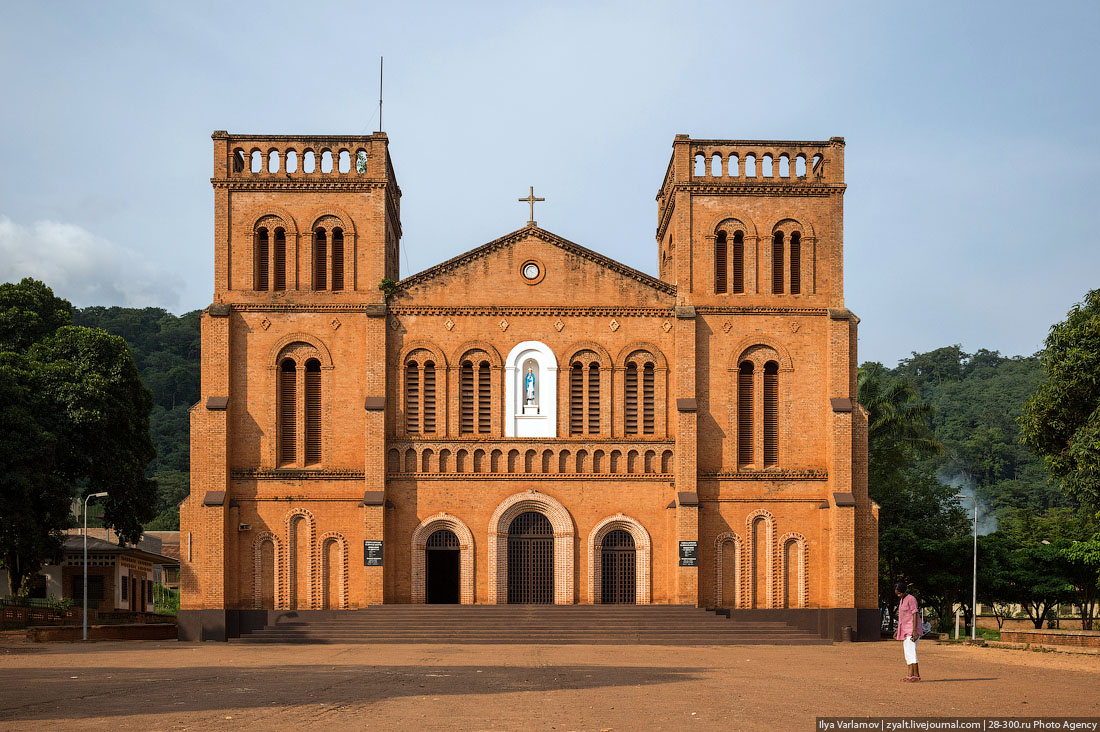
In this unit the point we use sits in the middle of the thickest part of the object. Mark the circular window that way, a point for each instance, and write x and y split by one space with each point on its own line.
532 271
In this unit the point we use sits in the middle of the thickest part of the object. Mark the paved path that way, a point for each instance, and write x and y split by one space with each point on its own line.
148 685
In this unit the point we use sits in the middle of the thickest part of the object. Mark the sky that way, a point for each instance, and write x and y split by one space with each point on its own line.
972 136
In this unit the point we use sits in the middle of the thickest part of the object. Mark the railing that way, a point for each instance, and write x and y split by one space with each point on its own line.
304 157
762 161
559 459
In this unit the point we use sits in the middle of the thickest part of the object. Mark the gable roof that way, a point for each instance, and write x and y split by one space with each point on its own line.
534 231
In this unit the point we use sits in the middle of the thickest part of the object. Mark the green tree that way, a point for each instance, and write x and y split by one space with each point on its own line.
75 420
1084 559
1061 421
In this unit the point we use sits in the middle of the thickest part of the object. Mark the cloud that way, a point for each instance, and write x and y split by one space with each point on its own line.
82 267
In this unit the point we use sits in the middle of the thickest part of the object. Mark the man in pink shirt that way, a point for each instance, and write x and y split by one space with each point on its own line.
909 630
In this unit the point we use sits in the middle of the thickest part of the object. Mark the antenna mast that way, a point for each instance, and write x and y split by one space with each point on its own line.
380 62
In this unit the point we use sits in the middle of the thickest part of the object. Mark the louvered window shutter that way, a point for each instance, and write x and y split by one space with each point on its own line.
337 259
796 263
313 412
320 259
484 400
739 262
576 399
466 398
720 263
648 399
280 259
288 415
594 398
263 257
744 414
630 401
777 263
429 397
771 414
412 398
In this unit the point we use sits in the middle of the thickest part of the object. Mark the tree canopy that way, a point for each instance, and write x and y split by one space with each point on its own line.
74 420
1061 421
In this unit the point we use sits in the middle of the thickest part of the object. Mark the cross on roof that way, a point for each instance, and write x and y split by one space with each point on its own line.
531 200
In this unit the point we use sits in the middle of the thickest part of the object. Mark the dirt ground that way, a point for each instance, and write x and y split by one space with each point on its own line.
155 685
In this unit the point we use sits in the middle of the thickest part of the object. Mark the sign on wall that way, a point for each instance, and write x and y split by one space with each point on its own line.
372 554
689 554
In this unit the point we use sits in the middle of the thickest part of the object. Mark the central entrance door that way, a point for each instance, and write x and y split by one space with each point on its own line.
443 553
617 562
530 559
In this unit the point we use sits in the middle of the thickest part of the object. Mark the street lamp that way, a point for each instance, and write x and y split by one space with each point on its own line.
974 600
89 497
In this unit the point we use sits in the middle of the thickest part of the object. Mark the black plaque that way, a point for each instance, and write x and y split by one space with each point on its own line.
689 554
372 554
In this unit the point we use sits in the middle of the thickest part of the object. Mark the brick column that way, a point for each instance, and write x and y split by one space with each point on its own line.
687 511
373 508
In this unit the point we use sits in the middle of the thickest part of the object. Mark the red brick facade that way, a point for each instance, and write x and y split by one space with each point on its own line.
715 404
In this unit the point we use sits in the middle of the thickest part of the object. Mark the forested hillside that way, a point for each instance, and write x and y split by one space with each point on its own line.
166 350
976 400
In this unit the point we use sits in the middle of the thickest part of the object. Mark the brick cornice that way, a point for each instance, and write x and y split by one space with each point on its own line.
758 310
280 474
741 188
770 475
370 308
520 310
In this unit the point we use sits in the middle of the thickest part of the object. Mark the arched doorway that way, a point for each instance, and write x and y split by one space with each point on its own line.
617 565
443 567
530 559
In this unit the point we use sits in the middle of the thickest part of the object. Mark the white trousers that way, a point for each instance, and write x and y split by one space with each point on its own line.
910 647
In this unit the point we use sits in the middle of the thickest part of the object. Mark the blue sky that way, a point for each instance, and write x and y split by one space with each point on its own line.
971 128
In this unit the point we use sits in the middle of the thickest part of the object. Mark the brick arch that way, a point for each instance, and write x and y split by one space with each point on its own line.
643 557
731 223
495 360
307 338
738 569
769 557
278 212
311 560
658 355
423 345
338 538
761 339
578 346
420 535
802 572
336 212
257 577
562 523
806 228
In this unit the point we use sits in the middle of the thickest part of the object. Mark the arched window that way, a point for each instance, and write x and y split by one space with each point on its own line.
337 260
475 397
299 407
771 414
796 263
720 260
640 398
288 412
320 259
280 259
738 262
313 412
420 407
744 413
261 260
777 263
584 394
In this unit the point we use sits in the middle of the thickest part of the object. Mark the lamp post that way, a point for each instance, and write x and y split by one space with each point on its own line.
974 600
89 497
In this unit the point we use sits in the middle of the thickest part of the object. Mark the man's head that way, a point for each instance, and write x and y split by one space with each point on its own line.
900 588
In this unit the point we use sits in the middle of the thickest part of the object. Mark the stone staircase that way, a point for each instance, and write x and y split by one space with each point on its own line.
528 624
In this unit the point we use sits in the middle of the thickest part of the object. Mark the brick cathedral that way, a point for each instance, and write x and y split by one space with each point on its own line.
531 421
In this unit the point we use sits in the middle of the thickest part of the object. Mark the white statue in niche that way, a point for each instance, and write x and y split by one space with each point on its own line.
529 386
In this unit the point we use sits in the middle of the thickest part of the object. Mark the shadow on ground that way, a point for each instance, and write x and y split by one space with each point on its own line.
115 692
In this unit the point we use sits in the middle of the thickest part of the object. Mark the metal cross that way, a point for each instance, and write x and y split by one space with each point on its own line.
531 200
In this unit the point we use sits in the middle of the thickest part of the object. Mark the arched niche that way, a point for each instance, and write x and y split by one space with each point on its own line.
525 415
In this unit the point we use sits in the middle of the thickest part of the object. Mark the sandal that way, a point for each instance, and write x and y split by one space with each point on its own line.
908 678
